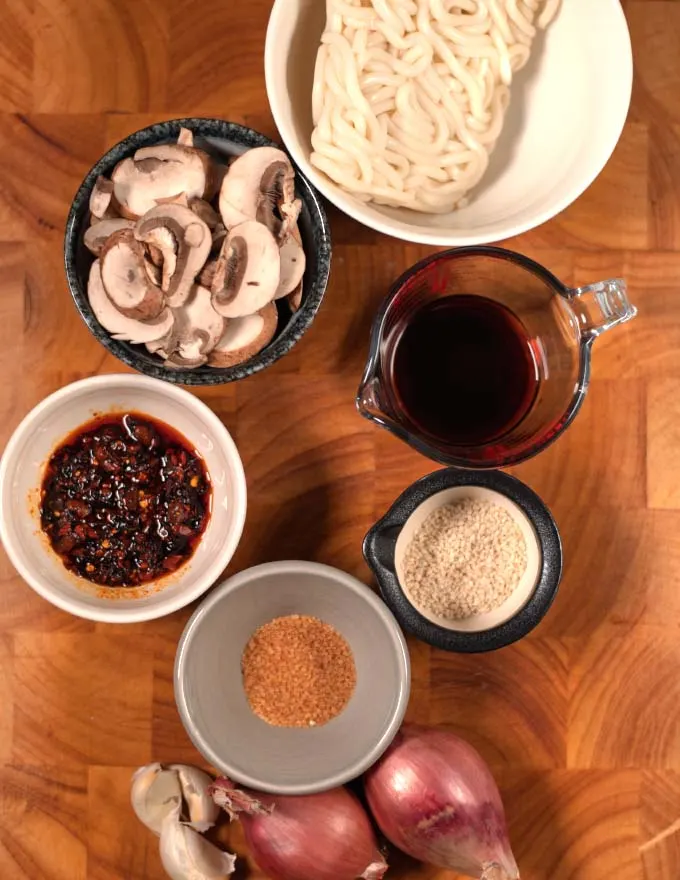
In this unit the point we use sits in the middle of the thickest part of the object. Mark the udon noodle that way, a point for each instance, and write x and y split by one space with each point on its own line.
409 96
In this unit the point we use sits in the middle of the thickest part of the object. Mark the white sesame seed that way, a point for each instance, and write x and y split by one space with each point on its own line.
466 558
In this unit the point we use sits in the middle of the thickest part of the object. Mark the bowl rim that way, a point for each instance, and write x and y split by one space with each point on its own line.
163 606
441 237
299 322
380 543
241 580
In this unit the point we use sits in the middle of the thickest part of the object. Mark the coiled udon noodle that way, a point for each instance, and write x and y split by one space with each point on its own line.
409 96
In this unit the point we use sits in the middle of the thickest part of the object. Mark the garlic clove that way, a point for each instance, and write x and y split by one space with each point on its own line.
188 856
155 794
194 783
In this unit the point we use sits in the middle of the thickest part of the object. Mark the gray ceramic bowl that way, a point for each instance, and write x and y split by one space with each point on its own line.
222 140
213 705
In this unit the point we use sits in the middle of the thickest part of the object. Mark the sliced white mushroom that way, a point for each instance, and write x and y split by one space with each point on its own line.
165 343
185 137
101 199
126 279
160 172
198 329
191 246
153 265
293 263
119 326
260 185
162 247
219 233
207 274
248 271
97 235
206 212
244 337
179 199
294 299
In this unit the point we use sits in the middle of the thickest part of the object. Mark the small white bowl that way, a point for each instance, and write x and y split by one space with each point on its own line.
566 115
525 586
212 702
21 473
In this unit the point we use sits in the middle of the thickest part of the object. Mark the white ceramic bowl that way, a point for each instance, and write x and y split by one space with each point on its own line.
21 472
566 115
213 705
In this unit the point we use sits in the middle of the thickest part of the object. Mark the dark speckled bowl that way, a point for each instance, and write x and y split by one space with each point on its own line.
221 139
385 542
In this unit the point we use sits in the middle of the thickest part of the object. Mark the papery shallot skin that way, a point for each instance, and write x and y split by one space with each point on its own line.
325 836
433 796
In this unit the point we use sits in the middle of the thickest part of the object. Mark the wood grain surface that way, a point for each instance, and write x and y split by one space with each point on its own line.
581 721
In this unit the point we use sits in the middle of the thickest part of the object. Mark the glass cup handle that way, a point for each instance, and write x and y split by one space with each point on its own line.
601 306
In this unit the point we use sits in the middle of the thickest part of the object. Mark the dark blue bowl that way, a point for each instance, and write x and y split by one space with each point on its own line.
380 544
222 140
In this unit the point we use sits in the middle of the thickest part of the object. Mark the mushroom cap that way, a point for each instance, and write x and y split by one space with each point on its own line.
193 240
248 271
101 199
293 264
185 137
98 234
258 182
294 299
159 172
120 326
244 337
198 329
162 246
206 212
126 279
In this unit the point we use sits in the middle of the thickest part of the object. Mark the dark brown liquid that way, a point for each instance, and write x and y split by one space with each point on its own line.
463 370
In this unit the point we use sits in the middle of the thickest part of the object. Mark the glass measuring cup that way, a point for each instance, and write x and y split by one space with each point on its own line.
558 324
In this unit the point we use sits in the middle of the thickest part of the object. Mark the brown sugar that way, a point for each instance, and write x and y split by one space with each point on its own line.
298 672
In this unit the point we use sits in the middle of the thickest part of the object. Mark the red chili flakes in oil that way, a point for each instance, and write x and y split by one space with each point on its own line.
124 500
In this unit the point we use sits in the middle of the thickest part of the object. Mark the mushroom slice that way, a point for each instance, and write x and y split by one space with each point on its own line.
185 137
293 262
119 326
97 235
294 299
162 247
207 274
192 240
198 329
248 271
179 199
101 199
206 212
153 267
126 279
192 158
157 173
244 337
258 183
219 233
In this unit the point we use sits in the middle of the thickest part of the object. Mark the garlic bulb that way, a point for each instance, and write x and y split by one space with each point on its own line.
188 856
155 794
202 810
159 791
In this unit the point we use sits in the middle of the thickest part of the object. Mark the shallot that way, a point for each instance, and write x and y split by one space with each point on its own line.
325 836
434 797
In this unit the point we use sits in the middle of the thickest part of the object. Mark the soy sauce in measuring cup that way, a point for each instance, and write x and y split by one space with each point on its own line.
463 370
